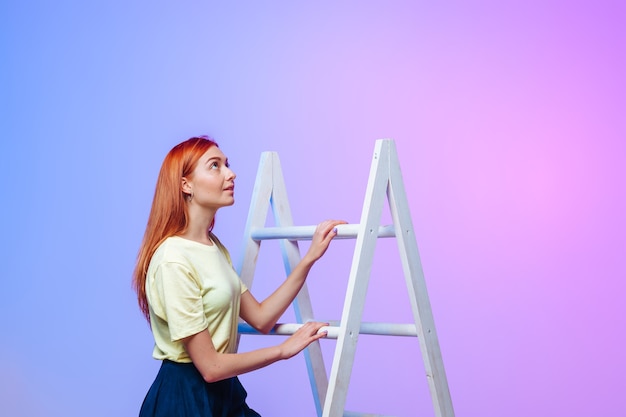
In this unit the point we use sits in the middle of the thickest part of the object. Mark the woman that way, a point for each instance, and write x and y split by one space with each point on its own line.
192 297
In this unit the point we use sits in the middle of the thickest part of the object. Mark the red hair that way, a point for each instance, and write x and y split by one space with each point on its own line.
168 215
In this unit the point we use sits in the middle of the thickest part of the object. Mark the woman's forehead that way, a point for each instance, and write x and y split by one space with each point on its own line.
212 153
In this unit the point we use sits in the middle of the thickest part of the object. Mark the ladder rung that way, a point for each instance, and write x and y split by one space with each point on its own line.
355 414
344 231
380 329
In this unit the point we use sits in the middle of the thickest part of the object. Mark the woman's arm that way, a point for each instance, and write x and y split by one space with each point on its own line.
263 316
215 366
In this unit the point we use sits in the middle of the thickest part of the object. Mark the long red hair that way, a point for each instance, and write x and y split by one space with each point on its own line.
168 215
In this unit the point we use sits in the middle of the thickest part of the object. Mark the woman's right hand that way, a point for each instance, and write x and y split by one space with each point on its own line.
324 233
303 337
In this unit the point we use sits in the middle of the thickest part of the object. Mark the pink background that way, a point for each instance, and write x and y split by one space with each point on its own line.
509 121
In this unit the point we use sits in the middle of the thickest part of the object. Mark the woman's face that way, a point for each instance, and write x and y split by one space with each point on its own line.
212 183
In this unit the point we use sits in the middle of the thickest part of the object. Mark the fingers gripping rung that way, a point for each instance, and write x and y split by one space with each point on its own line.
344 231
381 329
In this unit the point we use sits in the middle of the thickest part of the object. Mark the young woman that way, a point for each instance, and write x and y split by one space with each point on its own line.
192 297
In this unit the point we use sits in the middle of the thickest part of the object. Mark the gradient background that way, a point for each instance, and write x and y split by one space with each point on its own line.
509 118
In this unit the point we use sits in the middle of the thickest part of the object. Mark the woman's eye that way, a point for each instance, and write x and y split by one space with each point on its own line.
214 165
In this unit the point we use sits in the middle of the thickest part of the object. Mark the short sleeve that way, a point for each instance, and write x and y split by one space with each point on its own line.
181 300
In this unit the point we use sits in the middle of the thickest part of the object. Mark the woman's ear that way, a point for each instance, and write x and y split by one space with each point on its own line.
185 186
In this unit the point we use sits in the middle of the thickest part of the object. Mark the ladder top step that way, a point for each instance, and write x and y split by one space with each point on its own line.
344 231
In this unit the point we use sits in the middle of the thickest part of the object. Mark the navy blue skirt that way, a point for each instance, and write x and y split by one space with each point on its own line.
180 391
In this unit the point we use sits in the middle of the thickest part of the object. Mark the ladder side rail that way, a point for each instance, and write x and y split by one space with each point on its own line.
259 205
257 213
418 294
357 284
302 303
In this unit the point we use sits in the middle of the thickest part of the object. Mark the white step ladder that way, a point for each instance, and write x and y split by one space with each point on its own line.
385 181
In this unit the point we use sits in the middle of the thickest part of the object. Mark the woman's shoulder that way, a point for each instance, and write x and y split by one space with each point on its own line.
172 249
177 248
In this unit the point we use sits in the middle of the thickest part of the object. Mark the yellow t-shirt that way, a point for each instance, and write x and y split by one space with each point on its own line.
192 287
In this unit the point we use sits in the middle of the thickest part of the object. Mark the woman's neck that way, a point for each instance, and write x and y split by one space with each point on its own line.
198 227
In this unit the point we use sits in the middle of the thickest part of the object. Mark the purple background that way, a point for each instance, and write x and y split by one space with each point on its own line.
509 121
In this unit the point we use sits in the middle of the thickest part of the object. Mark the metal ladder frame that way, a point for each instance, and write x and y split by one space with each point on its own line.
385 181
